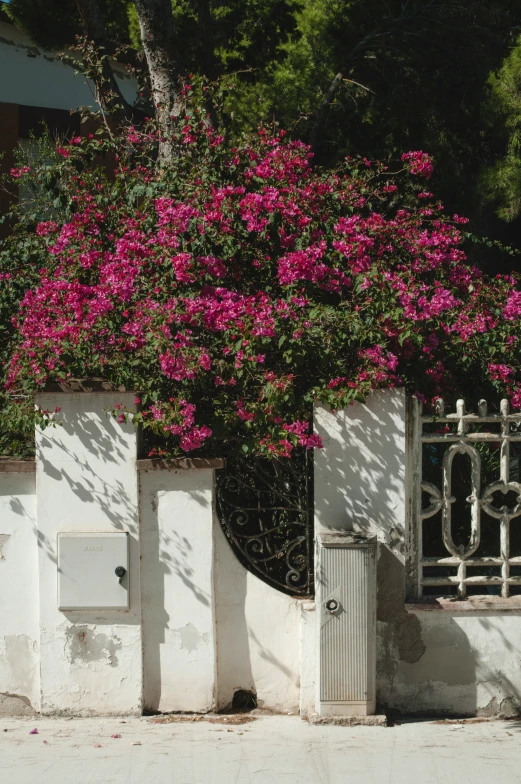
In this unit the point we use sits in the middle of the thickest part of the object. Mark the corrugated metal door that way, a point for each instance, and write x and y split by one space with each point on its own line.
347 615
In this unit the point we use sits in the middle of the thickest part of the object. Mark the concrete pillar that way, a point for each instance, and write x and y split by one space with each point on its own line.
19 627
360 473
359 488
179 648
91 660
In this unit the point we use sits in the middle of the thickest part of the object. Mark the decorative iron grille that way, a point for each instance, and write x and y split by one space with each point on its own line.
266 512
465 493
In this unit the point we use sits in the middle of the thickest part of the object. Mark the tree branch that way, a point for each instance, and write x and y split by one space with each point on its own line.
378 33
108 94
206 50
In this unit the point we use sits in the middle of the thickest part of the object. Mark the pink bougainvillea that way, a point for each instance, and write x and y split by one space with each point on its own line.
419 163
243 286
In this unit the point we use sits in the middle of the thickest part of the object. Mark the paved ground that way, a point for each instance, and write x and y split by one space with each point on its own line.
269 750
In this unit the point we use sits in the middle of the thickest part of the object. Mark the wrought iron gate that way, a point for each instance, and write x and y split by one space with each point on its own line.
266 512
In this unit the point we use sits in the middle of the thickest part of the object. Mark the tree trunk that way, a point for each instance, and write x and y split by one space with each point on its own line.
156 23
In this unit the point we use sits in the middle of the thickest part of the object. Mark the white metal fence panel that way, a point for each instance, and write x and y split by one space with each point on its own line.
491 446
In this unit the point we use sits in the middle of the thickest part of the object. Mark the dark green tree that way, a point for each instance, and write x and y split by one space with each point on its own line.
501 182
376 77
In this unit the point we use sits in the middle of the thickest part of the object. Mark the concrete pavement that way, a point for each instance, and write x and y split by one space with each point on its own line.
268 750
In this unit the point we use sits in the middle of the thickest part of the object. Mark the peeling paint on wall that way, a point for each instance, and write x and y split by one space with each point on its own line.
84 645
448 658
507 708
190 637
4 538
405 627
20 653
15 705
19 660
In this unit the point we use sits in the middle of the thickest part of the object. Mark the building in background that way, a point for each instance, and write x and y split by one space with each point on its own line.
36 88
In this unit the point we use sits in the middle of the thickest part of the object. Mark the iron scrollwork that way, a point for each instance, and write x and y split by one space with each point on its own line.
265 511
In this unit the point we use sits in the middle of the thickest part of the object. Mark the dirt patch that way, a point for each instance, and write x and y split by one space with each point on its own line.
177 718
183 718
239 719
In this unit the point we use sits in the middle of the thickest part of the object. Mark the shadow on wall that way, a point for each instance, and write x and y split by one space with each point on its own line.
257 631
234 671
86 462
103 448
442 663
111 496
361 470
166 624
420 668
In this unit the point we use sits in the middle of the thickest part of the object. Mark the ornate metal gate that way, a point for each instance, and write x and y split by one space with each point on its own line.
266 512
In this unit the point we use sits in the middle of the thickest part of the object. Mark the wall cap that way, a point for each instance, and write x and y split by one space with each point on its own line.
346 539
176 464
82 385
12 465
472 604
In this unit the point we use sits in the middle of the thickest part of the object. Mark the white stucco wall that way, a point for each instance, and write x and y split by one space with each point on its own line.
34 77
360 473
428 661
210 628
86 481
200 626
19 627
471 664
177 516
258 635
308 658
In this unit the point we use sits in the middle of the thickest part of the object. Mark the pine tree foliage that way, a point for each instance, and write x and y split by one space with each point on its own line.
501 182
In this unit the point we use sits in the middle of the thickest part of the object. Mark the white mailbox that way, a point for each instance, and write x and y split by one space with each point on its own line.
93 571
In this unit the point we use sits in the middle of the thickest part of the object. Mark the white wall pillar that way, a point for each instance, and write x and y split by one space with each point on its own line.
19 628
86 481
177 519
360 488
360 473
